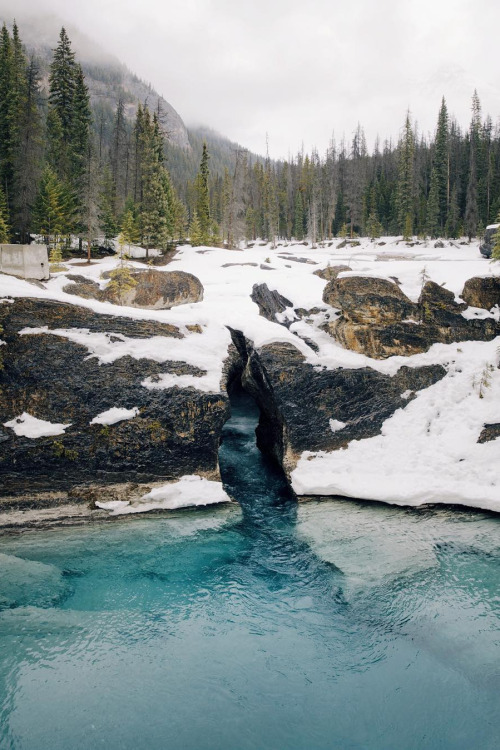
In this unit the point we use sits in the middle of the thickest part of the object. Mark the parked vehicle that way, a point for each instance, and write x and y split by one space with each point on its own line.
486 245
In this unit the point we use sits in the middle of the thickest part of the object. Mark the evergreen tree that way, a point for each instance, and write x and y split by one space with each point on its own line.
50 215
373 227
118 160
441 166
203 198
453 220
129 233
495 252
80 127
155 217
4 219
433 215
107 216
6 65
60 117
471 206
28 151
121 281
406 179
298 219
195 233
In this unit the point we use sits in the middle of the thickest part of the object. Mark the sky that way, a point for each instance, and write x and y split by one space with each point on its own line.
299 71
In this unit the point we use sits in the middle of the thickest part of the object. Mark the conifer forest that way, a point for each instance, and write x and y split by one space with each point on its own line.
67 169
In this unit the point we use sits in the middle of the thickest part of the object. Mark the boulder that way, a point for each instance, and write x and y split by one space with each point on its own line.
437 305
331 272
364 299
157 290
83 287
482 292
270 302
378 320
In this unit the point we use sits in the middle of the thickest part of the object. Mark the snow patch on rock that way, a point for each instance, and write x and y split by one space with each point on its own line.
30 427
336 425
115 415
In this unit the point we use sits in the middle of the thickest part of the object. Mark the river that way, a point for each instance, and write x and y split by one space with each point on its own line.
270 625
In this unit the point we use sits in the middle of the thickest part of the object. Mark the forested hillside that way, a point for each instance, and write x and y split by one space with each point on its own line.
89 150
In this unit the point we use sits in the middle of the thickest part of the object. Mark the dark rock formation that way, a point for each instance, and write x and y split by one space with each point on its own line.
482 292
154 290
379 320
489 432
176 431
82 287
437 306
297 400
269 302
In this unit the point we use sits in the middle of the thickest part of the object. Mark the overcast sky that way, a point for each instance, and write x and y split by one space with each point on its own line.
300 70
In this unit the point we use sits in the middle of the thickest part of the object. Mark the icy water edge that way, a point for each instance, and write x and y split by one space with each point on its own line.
334 625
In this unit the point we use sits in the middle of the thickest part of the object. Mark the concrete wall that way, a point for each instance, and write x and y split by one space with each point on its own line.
26 261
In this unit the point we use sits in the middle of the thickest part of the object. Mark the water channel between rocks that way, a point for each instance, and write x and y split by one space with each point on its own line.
270 625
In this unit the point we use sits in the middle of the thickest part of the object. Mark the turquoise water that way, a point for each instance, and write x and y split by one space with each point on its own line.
334 625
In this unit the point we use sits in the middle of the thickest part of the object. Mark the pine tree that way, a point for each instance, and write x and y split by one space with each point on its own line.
203 198
471 206
441 166
118 160
80 126
195 233
373 226
298 220
129 234
453 220
495 252
4 219
50 215
107 214
6 74
432 216
156 190
121 282
406 179
60 117
28 151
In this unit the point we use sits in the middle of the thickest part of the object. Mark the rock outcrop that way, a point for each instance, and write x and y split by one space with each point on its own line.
270 302
482 292
330 272
298 402
367 300
174 432
489 432
378 320
153 290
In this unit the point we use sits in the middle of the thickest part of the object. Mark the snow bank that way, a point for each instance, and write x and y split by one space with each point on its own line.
428 451
115 415
28 426
189 491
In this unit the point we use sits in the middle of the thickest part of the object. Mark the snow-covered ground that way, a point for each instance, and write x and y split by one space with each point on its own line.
427 452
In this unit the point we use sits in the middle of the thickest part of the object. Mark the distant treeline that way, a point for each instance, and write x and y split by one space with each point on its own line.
70 168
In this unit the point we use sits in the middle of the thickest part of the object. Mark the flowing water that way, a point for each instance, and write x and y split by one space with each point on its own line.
270 626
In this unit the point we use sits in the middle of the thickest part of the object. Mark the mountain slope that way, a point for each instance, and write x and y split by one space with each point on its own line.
107 78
